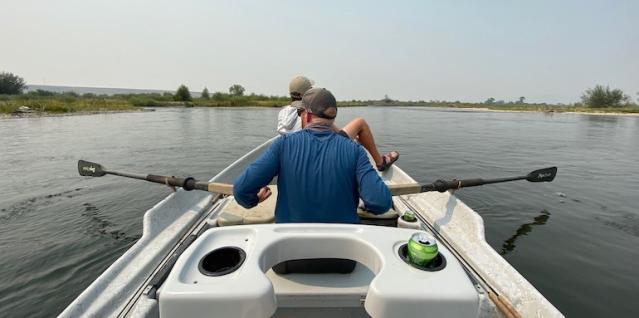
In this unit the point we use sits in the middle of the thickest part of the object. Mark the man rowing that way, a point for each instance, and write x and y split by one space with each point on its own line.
321 174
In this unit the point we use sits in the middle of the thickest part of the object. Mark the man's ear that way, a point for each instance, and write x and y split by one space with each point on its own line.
308 117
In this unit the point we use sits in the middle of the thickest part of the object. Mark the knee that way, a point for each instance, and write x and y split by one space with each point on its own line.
360 122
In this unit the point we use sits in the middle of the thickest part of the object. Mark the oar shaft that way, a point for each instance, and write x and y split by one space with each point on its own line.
170 181
443 185
186 183
477 182
192 184
126 174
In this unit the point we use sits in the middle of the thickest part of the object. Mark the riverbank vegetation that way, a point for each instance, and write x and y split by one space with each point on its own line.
61 103
599 99
41 101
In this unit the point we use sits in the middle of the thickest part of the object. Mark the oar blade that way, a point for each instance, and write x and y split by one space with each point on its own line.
90 169
542 175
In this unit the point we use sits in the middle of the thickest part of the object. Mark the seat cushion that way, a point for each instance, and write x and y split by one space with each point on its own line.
234 214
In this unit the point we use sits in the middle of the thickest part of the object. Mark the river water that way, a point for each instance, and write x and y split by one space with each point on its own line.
574 239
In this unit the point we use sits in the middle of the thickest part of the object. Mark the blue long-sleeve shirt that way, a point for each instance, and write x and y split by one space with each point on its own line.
321 176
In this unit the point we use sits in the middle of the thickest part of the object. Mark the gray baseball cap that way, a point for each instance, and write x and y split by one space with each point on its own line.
320 102
299 85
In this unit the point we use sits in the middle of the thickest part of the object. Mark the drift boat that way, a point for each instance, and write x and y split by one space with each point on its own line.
202 255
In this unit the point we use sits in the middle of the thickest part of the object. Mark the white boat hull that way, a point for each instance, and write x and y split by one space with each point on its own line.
128 288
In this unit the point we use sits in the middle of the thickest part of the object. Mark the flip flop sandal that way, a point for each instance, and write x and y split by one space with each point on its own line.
388 160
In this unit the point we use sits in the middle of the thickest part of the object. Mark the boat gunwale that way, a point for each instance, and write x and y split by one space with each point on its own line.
116 280
463 228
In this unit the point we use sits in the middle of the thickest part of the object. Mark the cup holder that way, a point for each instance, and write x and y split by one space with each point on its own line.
438 263
222 261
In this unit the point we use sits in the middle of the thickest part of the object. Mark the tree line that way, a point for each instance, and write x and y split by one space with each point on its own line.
10 84
184 94
598 97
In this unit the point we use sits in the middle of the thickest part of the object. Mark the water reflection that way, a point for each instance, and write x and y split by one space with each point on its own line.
598 127
509 244
601 120
548 114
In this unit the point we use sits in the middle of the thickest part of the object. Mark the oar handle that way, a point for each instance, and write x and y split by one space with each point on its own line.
215 187
407 188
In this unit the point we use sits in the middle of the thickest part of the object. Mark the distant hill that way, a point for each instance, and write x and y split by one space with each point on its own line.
94 90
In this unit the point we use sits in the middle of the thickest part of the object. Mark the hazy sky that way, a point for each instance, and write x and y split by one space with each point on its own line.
446 50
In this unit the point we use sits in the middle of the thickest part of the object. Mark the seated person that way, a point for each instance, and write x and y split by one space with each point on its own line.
357 129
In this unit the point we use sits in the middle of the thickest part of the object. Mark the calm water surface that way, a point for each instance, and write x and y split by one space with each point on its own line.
574 239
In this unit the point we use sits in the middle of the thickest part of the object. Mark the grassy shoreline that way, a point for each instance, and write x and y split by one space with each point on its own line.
73 104
542 108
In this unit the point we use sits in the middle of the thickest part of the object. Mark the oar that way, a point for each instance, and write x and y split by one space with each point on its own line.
541 175
92 169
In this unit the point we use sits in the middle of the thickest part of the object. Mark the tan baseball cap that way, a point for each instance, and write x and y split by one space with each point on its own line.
299 85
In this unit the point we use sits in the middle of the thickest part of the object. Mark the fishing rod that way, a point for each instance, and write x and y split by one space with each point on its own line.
91 169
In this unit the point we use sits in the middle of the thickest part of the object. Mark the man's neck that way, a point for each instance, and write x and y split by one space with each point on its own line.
320 125
321 121
317 125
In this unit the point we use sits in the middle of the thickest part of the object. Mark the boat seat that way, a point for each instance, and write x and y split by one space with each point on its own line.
264 212
313 290
235 214
390 214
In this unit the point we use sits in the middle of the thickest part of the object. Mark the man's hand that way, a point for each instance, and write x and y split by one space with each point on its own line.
264 193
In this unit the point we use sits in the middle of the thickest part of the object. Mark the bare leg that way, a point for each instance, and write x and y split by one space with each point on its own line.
358 129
